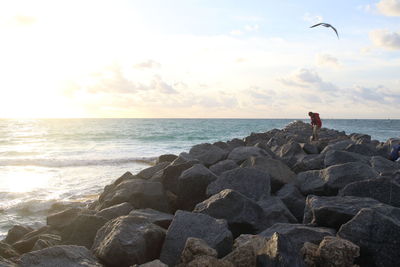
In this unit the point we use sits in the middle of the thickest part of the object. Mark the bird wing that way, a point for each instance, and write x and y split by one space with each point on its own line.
316 25
334 30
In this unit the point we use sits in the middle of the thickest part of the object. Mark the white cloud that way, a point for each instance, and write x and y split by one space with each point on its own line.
312 18
385 39
252 28
148 64
327 60
236 32
389 7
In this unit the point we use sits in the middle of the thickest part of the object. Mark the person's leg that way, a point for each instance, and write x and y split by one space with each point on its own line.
314 132
317 132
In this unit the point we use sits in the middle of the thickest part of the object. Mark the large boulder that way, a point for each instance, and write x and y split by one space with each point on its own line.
61 219
170 175
192 186
196 247
128 240
222 166
242 214
166 158
384 190
26 243
383 165
115 211
275 211
139 193
279 172
7 251
334 252
47 240
240 154
156 217
291 153
208 154
16 233
377 234
293 200
309 162
149 172
65 256
339 145
334 157
310 148
82 230
252 183
330 180
298 234
334 211
362 149
187 224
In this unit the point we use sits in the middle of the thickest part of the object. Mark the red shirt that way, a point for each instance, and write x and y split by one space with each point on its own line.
315 120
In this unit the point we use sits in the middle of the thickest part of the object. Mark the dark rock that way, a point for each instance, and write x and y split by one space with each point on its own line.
126 176
278 252
384 166
242 214
330 180
255 138
171 174
275 211
16 233
196 247
242 256
65 256
360 138
279 172
208 154
115 211
309 148
377 234
291 153
26 243
340 145
184 157
47 240
240 154
384 190
310 162
139 193
334 251
6 263
187 224
293 200
82 230
222 166
192 186
156 217
128 240
147 173
362 149
252 183
61 219
7 251
166 158
154 263
205 261
298 234
334 211
234 143
334 157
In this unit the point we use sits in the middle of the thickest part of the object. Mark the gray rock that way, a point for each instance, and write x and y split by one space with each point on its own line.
115 211
330 180
26 243
155 263
208 154
310 162
47 240
244 216
298 234
334 157
66 256
187 224
384 166
334 211
275 211
6 263
139 193
192 186
240 154
291 153
279 172
128 240
377 234
149 172
309 148
222 166
156 217
340 145
360 138
278 252
170 175
293 200
196 247
7 251
252 183
16 233
166 158
82 230
61 219
362 149
384 190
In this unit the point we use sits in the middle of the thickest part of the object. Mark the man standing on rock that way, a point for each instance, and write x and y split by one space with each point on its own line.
316 125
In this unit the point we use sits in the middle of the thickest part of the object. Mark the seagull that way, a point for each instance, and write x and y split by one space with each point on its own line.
326 25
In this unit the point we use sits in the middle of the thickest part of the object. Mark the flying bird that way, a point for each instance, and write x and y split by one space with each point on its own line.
326 25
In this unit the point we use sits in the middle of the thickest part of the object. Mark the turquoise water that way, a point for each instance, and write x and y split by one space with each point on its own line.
43 162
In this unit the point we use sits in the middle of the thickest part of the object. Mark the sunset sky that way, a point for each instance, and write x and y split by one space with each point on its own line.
199 58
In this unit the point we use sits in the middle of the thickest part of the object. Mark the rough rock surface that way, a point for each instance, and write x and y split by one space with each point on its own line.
240 154
16 233
208 154
154 216
195 247
187 224
293 199
336 252
222 166
115 211
275 211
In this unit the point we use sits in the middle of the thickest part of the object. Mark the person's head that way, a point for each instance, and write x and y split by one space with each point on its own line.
310 113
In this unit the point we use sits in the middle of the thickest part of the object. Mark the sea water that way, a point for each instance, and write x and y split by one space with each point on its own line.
44 162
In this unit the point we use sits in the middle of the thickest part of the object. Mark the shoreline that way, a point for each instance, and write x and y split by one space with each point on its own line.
290 172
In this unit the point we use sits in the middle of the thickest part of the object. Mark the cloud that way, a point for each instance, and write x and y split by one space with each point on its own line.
389 7
261 96
327 60
22 20
236 32
308 79
161 86
149 64
379 94
385 39
252 28
312 18
240 60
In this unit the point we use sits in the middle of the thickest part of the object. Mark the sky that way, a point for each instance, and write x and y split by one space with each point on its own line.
199 59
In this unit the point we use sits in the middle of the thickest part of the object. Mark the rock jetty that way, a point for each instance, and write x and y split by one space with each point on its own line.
269 199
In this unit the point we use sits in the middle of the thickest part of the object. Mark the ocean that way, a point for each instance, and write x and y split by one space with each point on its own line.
45 163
